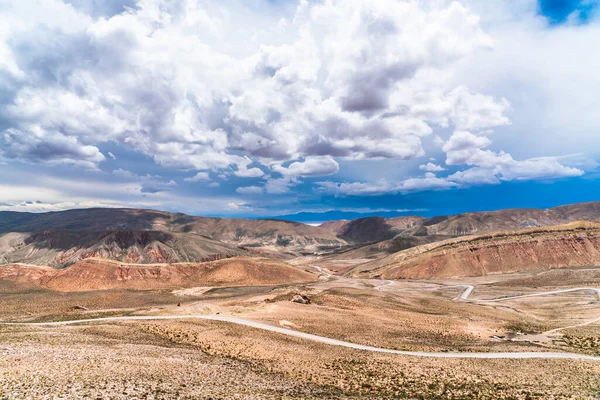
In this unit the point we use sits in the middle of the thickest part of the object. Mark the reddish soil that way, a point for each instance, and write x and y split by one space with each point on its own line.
100 274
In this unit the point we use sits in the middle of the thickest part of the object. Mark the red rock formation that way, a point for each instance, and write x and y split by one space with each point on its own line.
573 245
96 274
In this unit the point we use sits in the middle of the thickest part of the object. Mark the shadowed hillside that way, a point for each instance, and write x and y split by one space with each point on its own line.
173 237
372 229
375 229
62 248
386 247
275 235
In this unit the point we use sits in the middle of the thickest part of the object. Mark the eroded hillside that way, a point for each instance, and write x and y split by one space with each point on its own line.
62 248
572 245
100 274
270 235
375 229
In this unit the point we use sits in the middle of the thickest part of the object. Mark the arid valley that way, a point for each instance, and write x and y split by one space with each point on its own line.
117 303
299 199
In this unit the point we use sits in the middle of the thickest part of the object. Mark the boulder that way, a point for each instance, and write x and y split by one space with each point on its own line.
301 299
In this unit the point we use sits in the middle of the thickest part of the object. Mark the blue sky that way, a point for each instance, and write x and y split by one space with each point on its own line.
559 11
272 108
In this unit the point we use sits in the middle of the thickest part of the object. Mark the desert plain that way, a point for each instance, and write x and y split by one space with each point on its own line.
325 324
193 358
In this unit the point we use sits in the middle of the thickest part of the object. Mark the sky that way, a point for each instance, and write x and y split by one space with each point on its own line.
309 110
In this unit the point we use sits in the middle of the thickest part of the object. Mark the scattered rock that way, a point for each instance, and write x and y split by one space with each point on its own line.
80 308
301 299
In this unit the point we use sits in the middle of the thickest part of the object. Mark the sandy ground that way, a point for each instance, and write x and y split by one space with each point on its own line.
206 359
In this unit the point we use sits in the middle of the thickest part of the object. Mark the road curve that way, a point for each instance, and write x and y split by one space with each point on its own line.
580 289
321 339
586 323
468 290
323 271
464 296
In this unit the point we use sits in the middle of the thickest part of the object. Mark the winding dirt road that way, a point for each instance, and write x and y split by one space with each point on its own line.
321 339
580 289
464 296
315 338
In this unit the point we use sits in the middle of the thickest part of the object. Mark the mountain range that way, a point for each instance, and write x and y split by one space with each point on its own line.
136 236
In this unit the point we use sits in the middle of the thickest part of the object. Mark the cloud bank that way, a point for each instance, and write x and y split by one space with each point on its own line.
280 101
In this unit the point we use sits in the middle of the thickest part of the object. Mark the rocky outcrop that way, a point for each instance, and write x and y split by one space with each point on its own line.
300 299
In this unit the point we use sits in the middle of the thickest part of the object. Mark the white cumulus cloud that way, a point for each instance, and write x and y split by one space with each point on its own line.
230 90
348 79
200 176
431 167
310 167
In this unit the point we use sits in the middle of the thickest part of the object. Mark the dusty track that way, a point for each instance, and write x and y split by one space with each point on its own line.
388 285
580 289
335 342
464 296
